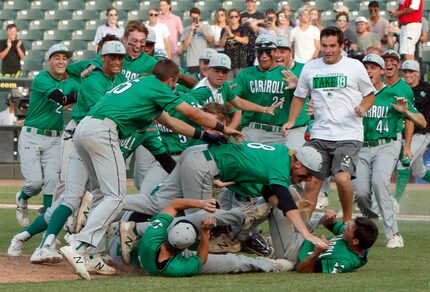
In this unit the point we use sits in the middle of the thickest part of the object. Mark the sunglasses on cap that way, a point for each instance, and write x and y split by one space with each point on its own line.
391 54
269 45
267 51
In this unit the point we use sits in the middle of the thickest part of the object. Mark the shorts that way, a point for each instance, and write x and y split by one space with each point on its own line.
337 156
409 35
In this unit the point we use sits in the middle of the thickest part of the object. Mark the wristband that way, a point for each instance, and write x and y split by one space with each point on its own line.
198 134
219 127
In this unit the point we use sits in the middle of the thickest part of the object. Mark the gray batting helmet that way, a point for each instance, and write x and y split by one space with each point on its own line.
182 235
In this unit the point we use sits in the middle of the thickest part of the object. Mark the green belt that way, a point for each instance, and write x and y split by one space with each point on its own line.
265 127
48 133
378 142
207 155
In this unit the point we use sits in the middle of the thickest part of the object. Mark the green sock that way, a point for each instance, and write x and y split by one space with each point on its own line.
47 201
58 219
402 182
426 177
37 226
23 196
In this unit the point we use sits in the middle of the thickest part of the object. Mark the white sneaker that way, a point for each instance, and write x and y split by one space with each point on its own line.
70 238
282 265
15 247
255 213
396 241
46 255
77 259
128 239
98 266
21 212
322 201
84 210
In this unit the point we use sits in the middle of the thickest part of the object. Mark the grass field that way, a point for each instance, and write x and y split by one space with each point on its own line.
406 269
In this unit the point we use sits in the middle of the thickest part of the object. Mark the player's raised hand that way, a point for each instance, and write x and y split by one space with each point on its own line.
208 223
209 205
87 71
402 104
320 249
286 127
329 218
271 109
290 78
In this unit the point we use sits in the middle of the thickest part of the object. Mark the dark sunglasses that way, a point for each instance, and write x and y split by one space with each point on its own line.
113 14
267 51
153 14
234 16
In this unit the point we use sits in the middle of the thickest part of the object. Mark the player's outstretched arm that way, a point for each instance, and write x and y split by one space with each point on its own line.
308 265
402 107
248 106
183 204
203 249
295 108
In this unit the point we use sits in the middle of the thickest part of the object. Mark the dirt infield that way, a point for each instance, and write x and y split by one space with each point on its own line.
19 269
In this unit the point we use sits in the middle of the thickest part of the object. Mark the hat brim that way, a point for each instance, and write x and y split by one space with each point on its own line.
220 67
317 174
67 53
366 62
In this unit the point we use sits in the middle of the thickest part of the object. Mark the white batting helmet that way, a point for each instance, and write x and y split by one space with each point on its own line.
182 235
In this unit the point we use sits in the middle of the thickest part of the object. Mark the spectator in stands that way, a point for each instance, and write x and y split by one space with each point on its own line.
174 24
365 38
12 51
250 15
220 21
196 38
286 9
378 24
305 38
284 24
350 38
235 38
111 26
7 117
266 25
410 14
161 31
315 18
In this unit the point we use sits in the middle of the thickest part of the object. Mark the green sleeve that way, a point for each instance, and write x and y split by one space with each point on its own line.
168 101
43 86
338 228
97 61
238 90
92 89
75 69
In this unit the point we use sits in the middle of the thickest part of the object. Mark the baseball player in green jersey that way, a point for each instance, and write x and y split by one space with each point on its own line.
346 251
264 85
129 107
421 137
39 141
381 148
342 93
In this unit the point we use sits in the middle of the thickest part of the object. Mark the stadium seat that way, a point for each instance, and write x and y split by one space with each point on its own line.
36 55
352 4
91 46
294 4
30 65
83 55
29 14
43 5
75 45
94 24
147 4
364 5
43 24
16 5
83 35
121 15
127 5
98 5
264 5
42 45
71 24
71 5
7 14
30 35
228 4
364 13
137 15
85 15
181 6
20 23
208 5
58 14
56 35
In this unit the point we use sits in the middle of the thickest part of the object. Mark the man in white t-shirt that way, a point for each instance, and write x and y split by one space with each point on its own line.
7 117
305 38
161 30
342 93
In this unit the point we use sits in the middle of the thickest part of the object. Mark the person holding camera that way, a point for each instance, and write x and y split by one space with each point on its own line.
196 38
266 25
350 38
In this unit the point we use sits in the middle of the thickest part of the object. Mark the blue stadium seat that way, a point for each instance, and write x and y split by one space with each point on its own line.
98 5
29 14
83 55
37 55
42 45
294 4
43 5
229 4
71 24
94 24
16 5
75 45
126 5
58 14
28 65
7 14
56 35
43 24
83 35
30 35
208 5
20 23
137 15
85 15
71 5
263 5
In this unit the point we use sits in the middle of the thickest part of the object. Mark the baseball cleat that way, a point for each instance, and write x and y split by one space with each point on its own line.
256 244
77 259
22 211
15 247
255 213
223 244
98 266
46 254
282 265
84 210
396 241
128 239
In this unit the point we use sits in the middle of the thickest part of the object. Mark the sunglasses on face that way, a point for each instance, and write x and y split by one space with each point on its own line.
234 16
267 51
153 14
113 14
342 19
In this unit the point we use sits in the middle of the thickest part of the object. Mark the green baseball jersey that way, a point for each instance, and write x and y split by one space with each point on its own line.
150 139
135 104
253 163
338 258
132 68
402 89
93 88
44 113
180 88
75 69
265 89
197 76
174 142
205 93
381 120
149 246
